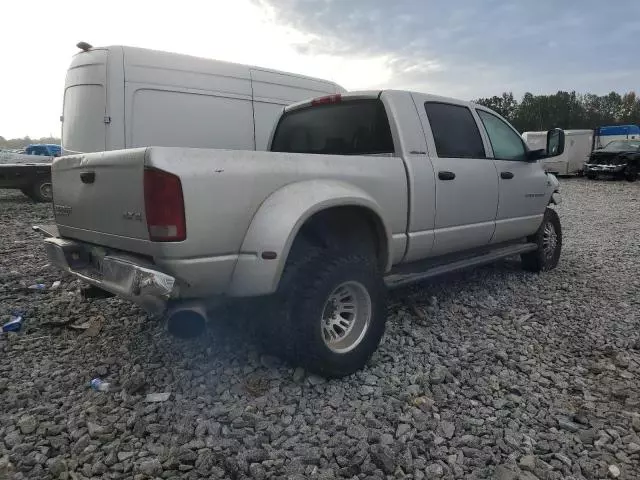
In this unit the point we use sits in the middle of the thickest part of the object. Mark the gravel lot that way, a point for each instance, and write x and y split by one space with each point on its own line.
495 373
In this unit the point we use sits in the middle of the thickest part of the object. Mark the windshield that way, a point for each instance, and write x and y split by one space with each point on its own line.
356 127
622 146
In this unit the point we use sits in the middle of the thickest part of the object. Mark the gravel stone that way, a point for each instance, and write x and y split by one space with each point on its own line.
504 472
57 466
384 458
527 476
448 429
434 470
151 467
475 372
528 463
298 374
635 423
95 430
568 425
614 471
316 379
122 456
402 429
438 375
27 424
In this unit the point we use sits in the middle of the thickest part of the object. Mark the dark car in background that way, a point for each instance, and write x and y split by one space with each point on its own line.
619 158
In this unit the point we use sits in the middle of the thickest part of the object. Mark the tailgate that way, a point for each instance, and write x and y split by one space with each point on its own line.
99 197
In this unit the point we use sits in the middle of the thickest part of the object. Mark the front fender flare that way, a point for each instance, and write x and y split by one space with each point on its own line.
276 224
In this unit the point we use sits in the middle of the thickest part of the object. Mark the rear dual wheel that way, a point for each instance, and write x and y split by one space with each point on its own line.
330 311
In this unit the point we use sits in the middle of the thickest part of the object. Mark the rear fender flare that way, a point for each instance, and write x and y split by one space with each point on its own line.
277 222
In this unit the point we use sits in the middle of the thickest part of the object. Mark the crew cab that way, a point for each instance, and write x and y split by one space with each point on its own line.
360 192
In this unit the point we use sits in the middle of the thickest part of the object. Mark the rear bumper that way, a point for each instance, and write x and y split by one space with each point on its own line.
126 277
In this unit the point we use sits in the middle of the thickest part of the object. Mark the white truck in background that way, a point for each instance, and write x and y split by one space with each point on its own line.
359 192
578 146
119 97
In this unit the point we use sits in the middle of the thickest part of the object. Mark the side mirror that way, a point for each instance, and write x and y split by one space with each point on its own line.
555 142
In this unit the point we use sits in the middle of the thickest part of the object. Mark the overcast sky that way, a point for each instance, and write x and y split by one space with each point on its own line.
462 48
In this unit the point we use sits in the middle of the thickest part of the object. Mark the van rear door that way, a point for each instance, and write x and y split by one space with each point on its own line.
84 125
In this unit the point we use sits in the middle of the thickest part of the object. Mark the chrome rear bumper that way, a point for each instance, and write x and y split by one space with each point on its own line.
126 277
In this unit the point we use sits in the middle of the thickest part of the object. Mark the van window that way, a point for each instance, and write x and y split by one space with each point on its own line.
357 127
83 127
455 131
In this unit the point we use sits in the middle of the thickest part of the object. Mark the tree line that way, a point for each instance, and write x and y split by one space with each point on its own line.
567 110
20 143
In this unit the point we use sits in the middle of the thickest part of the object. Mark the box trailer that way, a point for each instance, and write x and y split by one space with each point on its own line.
578 146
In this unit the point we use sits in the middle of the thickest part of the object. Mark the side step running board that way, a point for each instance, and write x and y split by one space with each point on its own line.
401 279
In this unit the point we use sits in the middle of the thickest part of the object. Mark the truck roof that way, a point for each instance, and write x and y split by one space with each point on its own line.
369 94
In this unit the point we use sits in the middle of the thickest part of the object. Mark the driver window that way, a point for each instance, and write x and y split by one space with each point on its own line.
506 144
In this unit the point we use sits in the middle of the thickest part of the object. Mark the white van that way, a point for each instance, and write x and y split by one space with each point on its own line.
123 97
578 145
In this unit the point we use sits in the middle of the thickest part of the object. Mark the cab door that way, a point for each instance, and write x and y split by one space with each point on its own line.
466 184
523 184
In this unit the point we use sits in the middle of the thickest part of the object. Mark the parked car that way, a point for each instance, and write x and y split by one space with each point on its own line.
120 97
43 149
620 158
360 192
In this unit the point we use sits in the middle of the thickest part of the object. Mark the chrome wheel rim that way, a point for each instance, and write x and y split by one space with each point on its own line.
549 240
346 316
46 190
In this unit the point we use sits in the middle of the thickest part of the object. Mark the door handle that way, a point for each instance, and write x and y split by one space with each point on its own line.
506 175
443 175
88 177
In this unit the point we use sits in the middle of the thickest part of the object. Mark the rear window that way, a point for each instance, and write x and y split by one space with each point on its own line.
358 127
455 131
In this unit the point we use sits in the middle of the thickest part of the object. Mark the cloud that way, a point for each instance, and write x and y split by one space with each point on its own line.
475 48
461 48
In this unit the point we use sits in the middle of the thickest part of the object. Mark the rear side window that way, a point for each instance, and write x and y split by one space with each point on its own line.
454 130
358 127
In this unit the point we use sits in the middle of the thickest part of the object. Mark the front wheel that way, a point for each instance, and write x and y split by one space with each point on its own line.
631 173
337 313
591 176
548 239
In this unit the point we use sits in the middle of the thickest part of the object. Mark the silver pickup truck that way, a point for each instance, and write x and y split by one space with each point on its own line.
358 193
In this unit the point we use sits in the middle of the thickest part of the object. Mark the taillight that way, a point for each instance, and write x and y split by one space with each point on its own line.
164 206
329 99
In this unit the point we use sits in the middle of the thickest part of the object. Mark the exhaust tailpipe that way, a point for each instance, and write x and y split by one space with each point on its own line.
186 321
